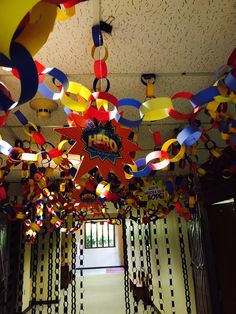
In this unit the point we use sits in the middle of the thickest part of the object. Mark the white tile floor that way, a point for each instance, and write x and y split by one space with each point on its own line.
104 294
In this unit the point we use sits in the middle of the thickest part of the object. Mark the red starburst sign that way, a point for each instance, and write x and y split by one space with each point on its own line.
103 144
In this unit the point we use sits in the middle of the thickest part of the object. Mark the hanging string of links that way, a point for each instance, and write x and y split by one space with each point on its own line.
184 268
126 268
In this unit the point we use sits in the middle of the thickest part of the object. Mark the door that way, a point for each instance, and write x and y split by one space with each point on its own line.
222 226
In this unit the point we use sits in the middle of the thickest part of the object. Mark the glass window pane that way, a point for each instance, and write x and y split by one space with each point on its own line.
100 236
94 235
111 235
105 234
88 235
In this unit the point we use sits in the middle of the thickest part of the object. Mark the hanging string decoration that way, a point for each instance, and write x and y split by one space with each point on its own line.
95 127
105 146
126 268
169 261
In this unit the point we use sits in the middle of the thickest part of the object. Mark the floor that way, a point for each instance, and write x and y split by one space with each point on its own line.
103 294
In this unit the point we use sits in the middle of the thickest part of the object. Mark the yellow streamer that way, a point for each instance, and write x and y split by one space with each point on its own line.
65 15
181 152
11 14
76 89
156 108
36 32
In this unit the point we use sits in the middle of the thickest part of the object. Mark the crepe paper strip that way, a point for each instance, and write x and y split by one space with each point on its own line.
223 126
29 157
181 152
61 144
11 14
131 103
96 81
145 171
216 152
225 136
34 126
182 116
133 168
65 15
76 89
233 140
204 96
79 121
101 103
232 59
67 111
158 155
93 52
21 117
70 3
92 112
230 81
5 148
44 155
97 35
40 69
170 187
3 194
157 138
22 60
61 77
56 1
3 119
39 138
193 150
100 69
156 108
103 189
185 95
189 135
40 25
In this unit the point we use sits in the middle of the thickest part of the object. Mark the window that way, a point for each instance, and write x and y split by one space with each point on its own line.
99 234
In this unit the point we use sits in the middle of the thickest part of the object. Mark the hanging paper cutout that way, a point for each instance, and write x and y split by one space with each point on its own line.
104 145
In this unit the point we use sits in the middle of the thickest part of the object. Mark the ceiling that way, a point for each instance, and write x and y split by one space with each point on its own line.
167 38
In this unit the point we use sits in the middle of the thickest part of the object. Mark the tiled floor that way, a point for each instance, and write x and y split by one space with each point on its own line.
103 294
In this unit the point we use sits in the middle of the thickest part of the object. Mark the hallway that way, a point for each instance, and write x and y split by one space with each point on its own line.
100 283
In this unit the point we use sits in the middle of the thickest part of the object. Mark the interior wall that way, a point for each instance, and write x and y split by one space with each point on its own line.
27 279
177 274
103 257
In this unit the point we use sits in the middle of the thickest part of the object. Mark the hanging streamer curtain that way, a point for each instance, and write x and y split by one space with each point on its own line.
81 272
21 273
126 268
149 264
57 270
50 272
34 275
184 268
73 269
65 290
134 266
158 268
169 262
42 275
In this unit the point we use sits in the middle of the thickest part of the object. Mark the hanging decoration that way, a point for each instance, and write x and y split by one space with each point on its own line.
98 132
102 145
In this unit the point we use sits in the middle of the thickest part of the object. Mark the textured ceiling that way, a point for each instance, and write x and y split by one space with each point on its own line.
162 37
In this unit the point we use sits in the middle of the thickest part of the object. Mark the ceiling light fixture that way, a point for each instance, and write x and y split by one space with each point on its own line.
43 107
